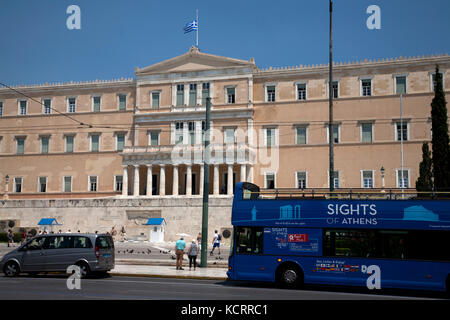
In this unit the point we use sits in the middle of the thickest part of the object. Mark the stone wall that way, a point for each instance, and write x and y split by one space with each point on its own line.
182 214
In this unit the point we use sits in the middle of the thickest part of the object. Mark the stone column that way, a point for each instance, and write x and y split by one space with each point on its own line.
125 181
250 174
243 172
230 180
149 180
216 179
136 181
162 180
175 180
189 180
202 177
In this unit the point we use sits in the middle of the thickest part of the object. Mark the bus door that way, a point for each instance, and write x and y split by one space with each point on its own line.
249 261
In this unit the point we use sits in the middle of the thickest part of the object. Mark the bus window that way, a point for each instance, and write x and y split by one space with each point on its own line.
349 243
392 244
249 240
250 191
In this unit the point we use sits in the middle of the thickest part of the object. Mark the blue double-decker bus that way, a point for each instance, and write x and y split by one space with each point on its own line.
378 243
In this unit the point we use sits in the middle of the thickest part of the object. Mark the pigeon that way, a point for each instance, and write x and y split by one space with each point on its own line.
173 258
131 251
149 251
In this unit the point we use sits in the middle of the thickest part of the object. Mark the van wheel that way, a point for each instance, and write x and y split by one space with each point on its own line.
290 276
11 269
84 269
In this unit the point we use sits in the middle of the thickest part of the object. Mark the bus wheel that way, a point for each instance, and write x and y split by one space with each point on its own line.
290 276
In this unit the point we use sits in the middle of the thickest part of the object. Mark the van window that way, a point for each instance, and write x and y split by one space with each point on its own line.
61 242
104 242
35 244
82 242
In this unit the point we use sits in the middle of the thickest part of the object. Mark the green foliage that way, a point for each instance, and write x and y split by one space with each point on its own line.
440 140
425 180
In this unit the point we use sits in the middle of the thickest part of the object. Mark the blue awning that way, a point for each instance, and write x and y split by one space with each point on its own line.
48 222
155 222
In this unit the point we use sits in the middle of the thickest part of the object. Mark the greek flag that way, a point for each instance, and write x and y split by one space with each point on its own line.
191 26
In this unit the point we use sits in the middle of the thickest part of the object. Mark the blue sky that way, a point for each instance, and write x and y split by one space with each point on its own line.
118 35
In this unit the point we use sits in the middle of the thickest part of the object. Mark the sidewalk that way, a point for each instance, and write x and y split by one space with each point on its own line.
165 271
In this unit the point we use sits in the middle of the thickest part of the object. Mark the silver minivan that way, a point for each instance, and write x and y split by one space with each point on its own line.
56 252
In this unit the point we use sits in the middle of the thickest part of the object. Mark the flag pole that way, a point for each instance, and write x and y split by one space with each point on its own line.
196 41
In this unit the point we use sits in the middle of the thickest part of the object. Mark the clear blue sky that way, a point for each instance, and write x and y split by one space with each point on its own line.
118 35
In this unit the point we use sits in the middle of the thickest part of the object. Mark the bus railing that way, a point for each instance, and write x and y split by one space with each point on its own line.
346 194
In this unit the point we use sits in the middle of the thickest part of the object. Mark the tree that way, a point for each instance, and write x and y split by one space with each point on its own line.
425 180
440 139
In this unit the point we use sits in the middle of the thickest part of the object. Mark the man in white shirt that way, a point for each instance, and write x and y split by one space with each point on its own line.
216 242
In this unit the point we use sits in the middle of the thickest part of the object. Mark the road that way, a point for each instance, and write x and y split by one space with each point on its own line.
54 287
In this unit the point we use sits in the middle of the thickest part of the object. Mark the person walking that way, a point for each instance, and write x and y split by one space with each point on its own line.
179 249
123 234
23 236
10 238
199 241
216 242
192 254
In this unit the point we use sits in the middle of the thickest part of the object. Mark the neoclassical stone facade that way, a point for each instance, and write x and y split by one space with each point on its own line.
144 137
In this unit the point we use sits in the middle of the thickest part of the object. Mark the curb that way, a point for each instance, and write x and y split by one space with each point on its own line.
123 274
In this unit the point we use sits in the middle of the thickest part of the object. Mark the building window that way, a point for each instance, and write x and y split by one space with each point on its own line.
67 184
153 138
300 135
23 107
192 94
45 144
270 137
336 183
120 142
155 100
18 184
366 132
203 131
69 143
205 92
231 95
270 93
401 131
1 108
269 180
96 101
301 179
367 179
42 184
118 183
180 95
71 107
95 143
93 183
47 106
191 129
433 80
366 87
122 101
301 91
230 136
400 84
336 133
402 178
20 145
179 132
335 89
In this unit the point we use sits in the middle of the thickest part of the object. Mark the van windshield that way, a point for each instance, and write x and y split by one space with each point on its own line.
104 242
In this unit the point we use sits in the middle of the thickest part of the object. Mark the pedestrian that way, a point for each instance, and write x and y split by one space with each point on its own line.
216 242
199 241
123 234
192 254
23 237
179 250
10 238
113 233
